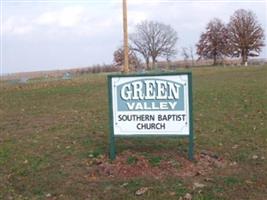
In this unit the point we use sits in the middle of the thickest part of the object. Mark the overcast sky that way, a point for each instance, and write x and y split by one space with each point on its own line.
59 34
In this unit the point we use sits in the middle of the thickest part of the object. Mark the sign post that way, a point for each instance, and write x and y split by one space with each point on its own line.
125 38
151 105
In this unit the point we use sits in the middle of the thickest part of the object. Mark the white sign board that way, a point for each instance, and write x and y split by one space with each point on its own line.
150 104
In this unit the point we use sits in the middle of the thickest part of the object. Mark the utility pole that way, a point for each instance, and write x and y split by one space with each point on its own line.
125 36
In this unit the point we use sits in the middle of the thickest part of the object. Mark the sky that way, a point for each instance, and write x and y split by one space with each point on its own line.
43 35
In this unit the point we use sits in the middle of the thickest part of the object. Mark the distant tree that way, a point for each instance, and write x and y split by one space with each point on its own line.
246 35
188 53
153 39
213 42
191 50
118 57
140 46
185 55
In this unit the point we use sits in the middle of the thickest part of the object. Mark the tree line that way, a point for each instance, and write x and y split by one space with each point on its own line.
242 37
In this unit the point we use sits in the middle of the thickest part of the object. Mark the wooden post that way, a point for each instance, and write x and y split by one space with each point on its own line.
125 36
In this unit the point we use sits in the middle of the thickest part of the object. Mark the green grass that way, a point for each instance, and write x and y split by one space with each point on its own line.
132 160
49 130
155 160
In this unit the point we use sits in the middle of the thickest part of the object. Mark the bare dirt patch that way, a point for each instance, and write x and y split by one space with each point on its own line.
174 165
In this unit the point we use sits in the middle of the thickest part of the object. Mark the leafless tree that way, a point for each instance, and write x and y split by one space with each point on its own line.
140 46
213 42
185 55
188 53
246 35
118 57
191 50
153 39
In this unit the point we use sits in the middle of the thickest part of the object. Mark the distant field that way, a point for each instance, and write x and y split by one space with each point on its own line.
54 142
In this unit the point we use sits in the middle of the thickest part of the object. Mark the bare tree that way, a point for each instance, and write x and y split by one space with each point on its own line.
246 35
213 42
118 57
140 45
188 53
153 40
185 55
191 50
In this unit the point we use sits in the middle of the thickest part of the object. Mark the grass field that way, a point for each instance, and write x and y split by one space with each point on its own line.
54 142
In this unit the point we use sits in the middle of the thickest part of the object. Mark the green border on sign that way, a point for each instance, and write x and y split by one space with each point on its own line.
112 146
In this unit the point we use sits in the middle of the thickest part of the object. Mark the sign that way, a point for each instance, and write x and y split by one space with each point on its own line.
150 105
